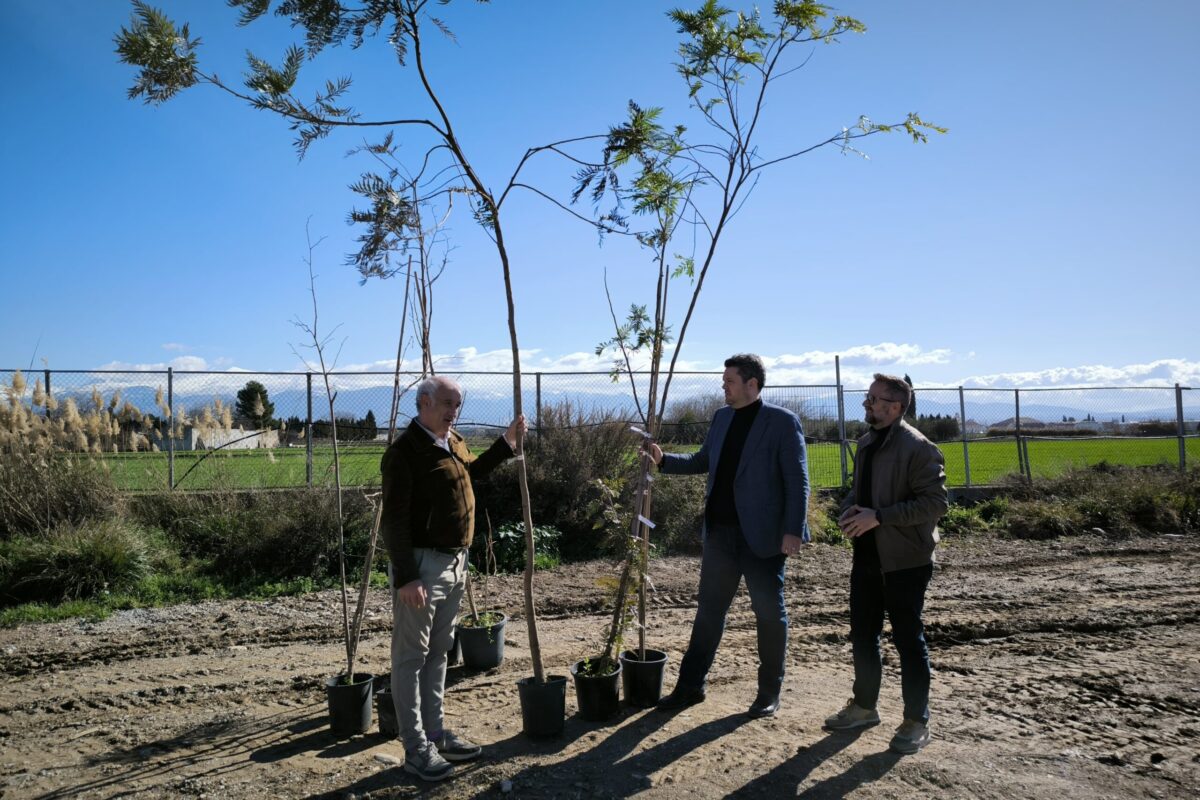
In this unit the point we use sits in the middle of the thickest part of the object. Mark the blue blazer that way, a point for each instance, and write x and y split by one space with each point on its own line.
770 488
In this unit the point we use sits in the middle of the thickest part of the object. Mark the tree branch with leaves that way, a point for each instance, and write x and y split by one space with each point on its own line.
729 61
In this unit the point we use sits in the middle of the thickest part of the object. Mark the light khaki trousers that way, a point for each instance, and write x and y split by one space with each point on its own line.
421 638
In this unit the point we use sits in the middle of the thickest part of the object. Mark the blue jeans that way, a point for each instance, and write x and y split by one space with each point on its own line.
902 595
727 557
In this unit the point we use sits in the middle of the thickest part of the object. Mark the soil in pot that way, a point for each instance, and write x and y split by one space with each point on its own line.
543 705
599 696
642 680
482 640
349 704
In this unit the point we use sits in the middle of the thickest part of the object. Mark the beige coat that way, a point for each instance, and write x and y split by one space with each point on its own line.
908 488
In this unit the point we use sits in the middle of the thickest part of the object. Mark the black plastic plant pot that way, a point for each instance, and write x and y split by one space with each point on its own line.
543 706
385 710
349 704
641 680
482 647
599 696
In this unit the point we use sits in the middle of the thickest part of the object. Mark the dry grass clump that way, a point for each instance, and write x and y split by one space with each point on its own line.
74 561
40 424
1117 500
36 422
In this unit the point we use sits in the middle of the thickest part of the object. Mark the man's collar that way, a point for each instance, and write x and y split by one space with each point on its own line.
443 442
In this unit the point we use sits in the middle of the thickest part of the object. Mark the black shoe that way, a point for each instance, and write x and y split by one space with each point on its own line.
682 697
765 705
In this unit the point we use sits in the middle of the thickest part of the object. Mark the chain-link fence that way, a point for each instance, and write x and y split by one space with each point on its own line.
205 430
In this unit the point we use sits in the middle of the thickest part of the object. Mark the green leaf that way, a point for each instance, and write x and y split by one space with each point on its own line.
164 53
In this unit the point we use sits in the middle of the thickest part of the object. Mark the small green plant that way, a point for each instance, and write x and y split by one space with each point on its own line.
485 619
595 667
510 547
963 520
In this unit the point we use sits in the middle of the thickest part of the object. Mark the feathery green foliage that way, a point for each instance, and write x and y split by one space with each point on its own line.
165 54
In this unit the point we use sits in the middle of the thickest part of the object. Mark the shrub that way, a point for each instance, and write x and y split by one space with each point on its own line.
678 512
822 519
687 422
1042 519
1120 500
574 451
961 519
260 536
75 562
509 546
40 491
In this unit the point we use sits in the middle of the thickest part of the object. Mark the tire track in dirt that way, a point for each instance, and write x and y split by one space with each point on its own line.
1091 688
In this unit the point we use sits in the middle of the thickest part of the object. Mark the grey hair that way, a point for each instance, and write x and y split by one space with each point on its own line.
429 387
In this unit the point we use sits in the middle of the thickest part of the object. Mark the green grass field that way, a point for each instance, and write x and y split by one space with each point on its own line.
285 467
991 460
243 469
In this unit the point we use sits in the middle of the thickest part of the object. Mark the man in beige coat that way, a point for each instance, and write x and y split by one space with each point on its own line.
891 515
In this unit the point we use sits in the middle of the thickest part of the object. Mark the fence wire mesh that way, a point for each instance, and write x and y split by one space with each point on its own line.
205 430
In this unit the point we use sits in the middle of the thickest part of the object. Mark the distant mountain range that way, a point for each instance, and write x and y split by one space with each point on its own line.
490 403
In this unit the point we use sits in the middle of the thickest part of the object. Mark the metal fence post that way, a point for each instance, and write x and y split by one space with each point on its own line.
1017 428
537 424
308 434
170 428
962 427
46 408
1179 422
841 407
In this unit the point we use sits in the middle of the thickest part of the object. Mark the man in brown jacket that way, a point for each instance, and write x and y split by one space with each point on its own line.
428 521
891 514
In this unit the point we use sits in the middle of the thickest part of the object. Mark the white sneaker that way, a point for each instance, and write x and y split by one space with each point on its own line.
453 747
427 763
851 717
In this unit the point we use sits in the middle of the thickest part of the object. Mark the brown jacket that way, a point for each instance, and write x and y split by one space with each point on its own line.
908 488
428 500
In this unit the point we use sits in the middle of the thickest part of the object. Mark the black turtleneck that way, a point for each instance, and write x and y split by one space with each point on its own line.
721 506
865 551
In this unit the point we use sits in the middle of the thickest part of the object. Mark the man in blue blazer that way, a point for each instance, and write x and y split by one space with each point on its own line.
755 515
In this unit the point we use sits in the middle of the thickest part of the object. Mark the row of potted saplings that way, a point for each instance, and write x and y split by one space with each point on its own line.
479 645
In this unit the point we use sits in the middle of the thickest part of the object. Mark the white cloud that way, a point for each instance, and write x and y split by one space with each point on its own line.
814 368
187 363
1164 372
176 346
882 353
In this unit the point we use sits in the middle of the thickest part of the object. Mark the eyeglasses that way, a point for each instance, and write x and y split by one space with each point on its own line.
870 400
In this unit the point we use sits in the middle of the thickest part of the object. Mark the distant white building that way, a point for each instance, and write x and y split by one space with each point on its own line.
234 439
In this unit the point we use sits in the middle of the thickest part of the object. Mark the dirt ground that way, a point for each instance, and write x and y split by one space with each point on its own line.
1061 669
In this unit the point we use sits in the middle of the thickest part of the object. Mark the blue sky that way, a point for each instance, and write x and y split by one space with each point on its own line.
1048 239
